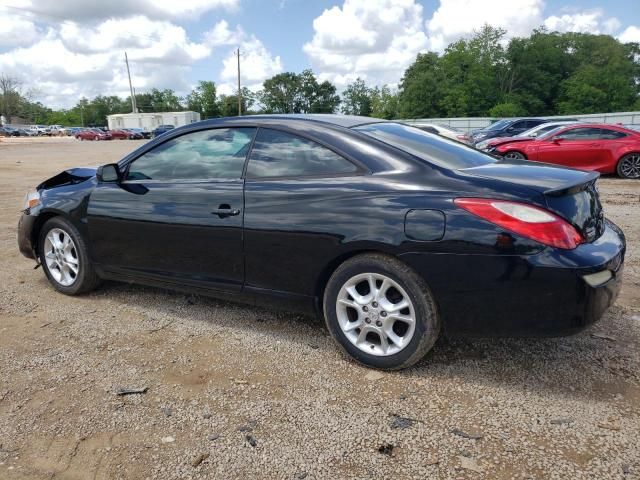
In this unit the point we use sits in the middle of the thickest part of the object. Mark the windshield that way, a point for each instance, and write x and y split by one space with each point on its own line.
550 133
426 146
498 125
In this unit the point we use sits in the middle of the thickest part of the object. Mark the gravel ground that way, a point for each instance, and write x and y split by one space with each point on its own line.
240 392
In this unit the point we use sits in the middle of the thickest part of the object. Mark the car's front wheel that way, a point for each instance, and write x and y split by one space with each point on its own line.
381 312
514 155
64 258
629 166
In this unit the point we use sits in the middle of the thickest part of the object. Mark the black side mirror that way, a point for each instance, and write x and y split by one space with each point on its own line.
108 173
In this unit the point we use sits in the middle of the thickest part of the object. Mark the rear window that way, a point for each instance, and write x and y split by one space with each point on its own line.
437 150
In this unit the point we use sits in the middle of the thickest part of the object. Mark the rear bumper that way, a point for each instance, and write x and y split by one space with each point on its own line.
25 229
552 293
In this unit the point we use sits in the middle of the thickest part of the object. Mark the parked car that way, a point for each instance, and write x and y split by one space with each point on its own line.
445 131
392 234
159 130
125 134
38 129
93 134
27 131
54 130
507 127
144 133
8 131
526 135
71 131
602 147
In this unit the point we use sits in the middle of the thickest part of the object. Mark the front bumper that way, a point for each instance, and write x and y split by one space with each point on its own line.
25 235
545 294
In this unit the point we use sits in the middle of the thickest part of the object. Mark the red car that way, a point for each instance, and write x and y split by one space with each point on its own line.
125 134
93 134
589 146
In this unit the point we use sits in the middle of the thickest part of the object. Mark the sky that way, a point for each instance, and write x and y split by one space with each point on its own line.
64 50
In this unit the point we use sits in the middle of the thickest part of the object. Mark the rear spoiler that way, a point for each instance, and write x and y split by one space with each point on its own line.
572 188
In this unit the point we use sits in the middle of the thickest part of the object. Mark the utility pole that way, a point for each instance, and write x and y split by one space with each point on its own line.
134 108
239 91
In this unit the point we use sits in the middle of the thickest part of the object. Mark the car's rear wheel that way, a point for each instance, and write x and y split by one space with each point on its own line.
514 155
381 312
64 258
629 166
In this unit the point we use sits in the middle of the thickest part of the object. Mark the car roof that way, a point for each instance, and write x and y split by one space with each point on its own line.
347 121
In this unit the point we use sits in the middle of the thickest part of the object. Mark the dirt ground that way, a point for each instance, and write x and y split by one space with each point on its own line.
240 392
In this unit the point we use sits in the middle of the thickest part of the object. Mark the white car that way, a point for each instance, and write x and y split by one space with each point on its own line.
444 130
531 133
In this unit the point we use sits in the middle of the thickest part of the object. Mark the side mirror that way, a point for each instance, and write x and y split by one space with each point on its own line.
556 140
108 173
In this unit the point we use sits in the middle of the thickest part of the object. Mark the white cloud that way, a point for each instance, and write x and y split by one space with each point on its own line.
591 21
97 10
455 19
16 30
631 34
257 63
372 39
78 60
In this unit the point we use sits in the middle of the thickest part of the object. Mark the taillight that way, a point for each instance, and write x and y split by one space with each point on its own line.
526 220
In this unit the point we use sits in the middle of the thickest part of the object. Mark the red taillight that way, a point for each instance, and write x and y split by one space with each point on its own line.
526 220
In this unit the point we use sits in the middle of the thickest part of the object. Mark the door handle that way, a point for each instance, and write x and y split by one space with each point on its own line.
225 210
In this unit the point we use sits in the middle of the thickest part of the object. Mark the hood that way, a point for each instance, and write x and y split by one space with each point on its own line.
542 177
69 177
494 142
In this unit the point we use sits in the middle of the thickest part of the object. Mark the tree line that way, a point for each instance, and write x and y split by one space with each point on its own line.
547 73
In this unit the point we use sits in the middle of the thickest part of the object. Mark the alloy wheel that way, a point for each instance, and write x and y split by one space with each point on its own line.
630 166
61 257
375 314
514 155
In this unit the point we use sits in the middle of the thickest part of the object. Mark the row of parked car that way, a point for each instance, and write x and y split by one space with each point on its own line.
606 148
82 133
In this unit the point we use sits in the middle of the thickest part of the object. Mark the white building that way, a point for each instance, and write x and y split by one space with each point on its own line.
149 121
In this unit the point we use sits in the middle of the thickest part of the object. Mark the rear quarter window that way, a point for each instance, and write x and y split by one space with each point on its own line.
424 146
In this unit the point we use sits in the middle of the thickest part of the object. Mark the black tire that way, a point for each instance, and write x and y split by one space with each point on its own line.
427 323
87 279
514 155
629 166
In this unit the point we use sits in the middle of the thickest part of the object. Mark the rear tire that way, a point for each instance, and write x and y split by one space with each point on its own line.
629 166
380 334
59 254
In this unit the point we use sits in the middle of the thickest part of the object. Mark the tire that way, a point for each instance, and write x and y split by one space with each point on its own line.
85 278
514 155
342 313
629 166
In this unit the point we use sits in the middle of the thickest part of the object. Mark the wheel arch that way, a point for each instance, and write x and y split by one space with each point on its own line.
41 219
514 150
324 276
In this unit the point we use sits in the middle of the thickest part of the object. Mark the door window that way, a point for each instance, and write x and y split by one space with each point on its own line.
280 154
206 154
582 133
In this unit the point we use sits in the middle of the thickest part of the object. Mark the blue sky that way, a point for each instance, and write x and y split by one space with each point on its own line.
67 49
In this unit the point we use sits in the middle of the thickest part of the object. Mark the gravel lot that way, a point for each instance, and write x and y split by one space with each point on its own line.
240 392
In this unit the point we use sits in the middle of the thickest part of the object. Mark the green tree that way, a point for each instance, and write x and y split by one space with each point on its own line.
384 103
228 104
421 88
356 99
203 100
281 93
315 97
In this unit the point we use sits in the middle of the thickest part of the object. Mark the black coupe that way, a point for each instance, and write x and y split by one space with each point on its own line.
391 233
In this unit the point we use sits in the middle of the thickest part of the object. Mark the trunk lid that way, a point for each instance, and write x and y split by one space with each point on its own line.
571 194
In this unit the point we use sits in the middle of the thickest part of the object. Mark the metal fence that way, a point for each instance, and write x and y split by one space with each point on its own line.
467 124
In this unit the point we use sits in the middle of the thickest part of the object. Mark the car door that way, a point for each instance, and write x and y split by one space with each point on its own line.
296 199
574 147
176 214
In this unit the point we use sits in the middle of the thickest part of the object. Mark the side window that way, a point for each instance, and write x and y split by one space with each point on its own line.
583 133
606 134
207 154
279 154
